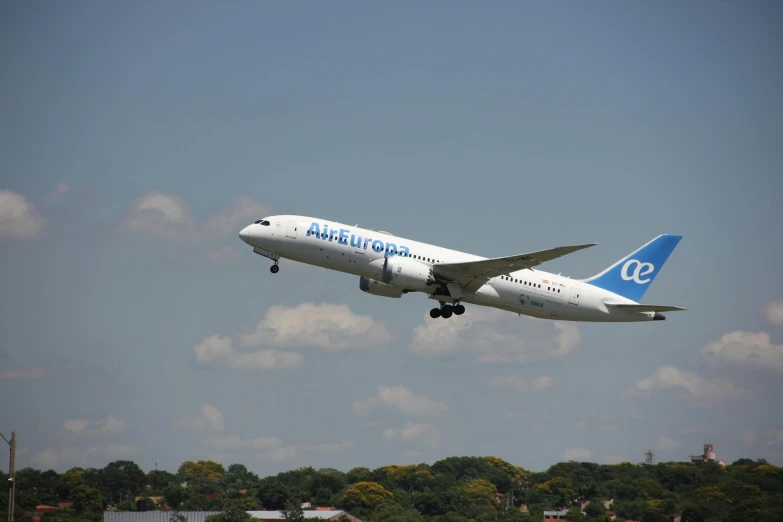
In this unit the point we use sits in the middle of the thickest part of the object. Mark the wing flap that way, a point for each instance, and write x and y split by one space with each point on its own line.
645 307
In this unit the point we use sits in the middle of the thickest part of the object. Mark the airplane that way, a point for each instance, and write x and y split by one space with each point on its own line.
392 266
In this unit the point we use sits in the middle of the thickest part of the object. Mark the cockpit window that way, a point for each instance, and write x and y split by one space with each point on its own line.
262 222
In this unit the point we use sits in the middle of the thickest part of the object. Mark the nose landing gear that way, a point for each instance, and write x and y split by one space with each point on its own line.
274 268
445 311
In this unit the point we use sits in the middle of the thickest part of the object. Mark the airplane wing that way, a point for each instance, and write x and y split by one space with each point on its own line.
644 307
472 275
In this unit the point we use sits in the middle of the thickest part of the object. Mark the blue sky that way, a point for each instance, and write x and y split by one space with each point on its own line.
138 139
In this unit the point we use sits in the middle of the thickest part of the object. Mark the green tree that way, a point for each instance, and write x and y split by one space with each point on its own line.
359 475
236 469
364 497
560 487
272 493
293 511
121 475
145 504
160 479
235 514
232 514
175 496
87 500
389 512
245 502
479 495
594 509
202 469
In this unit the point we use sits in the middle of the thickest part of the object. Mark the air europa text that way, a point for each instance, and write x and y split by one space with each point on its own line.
345 237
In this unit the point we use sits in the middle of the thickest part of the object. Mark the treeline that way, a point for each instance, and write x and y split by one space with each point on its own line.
457 489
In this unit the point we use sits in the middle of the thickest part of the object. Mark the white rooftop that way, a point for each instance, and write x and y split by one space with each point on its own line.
278 515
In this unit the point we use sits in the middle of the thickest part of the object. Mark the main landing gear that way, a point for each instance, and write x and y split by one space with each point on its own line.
274 268
446 310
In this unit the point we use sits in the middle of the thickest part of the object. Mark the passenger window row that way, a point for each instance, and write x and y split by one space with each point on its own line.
534 285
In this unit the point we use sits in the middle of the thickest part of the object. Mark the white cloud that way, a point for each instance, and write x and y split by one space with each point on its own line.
208 420
280 454
401 400
235 442
241 211
220 351
18 217
745 349
664 443
61 190
109 425
31 373
162 215
412 454
327 326
46 459
586 455
750 437
93 456
337 447
578 454
521 384
223 254
773 313
775 437
697 388
422 433
76 426
635 415
495 336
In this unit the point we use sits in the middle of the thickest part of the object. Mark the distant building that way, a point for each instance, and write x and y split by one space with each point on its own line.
708 456
200 516
277 516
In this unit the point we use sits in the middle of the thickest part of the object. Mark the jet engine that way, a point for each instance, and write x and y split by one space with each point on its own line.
371 286
407 273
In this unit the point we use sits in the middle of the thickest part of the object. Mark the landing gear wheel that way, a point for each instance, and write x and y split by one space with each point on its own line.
274 269
446 311
459 310
435 313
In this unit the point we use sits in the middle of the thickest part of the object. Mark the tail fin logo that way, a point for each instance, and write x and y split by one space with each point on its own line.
632 275
640 270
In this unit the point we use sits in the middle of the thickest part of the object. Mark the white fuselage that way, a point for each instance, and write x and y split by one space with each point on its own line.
361 252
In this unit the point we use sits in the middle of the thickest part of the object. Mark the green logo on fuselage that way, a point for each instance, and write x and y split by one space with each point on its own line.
523 300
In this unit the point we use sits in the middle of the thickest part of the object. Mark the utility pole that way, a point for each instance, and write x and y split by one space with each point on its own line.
11 475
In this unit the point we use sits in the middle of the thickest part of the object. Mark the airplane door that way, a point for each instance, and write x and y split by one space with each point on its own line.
574 296
292 228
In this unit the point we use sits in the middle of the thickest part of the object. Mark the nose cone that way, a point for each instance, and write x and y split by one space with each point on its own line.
244 234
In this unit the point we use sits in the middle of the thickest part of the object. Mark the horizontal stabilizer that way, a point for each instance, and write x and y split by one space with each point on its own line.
644 307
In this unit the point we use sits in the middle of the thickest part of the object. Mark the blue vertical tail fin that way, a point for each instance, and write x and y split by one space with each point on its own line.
632 275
